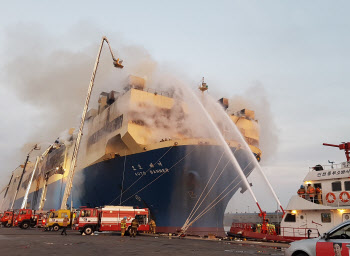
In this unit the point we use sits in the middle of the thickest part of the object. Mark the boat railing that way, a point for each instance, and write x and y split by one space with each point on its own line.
329 167
244 226
281 231
298 232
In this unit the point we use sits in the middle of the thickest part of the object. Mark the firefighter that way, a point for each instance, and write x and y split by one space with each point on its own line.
134 226
152 226
311 192
301 191
123 226
64 225
265 226
319 195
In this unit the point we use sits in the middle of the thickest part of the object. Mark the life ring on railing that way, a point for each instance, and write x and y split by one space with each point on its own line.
344 200
330 200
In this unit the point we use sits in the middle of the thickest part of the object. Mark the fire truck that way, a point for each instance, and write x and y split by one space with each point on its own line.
28 218
55 220
8 218
108 218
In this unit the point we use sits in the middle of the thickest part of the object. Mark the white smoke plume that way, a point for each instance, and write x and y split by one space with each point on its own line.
256 98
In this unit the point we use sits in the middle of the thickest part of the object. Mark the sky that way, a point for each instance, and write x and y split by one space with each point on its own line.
296 51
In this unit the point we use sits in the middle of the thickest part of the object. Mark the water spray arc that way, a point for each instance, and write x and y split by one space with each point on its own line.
251 155
118 64
228 152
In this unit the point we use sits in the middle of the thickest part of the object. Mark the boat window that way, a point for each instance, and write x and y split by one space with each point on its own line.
347 185
326 217
289 218
336 186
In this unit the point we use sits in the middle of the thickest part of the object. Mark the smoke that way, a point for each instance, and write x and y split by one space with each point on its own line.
256 98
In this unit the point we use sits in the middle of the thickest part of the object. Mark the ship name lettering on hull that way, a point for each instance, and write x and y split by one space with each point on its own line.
156 171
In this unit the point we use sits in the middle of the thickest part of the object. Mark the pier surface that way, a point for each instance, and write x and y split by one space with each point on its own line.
14 241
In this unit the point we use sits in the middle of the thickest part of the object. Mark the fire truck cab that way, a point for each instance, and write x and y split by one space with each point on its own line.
28 218
7 219
108 218
25 219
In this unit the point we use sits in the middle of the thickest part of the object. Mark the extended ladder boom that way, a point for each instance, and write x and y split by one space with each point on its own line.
70 177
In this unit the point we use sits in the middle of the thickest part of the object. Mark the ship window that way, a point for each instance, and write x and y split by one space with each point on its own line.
336 186
347 185
326 217
289 218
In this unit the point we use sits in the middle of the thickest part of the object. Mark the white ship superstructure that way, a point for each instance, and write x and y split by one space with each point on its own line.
313 215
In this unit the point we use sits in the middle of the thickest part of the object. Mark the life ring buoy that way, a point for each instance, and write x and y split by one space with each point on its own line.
330 200
344 200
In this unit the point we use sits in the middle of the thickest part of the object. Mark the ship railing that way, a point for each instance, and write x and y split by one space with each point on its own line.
319 168
163 93
321 199
243 226
297 232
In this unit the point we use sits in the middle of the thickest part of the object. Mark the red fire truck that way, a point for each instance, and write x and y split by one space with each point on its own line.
8 218
28 218
108 218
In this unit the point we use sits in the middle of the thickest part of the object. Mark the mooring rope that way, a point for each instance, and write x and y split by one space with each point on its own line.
121 190
204 211
210 189
205 188
192 214
158 176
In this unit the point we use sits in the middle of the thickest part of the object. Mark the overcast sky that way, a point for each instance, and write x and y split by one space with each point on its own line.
297 51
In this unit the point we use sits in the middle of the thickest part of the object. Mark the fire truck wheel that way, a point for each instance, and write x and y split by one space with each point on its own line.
301 254
56 228
25 225
7 225
88 230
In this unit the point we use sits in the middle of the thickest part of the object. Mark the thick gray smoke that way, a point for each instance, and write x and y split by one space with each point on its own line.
255 98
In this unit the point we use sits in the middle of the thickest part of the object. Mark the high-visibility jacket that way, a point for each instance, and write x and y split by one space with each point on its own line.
152 223
301 192
65 222
123 224
134 223
311 191
318 191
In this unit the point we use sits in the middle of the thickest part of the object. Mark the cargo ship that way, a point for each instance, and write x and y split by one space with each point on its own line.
137 151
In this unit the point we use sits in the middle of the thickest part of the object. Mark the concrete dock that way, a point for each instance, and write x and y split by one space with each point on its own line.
15 241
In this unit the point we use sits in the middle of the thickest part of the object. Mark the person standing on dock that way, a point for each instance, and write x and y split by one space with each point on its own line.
152 226
123 226
311 192
134 226
64 225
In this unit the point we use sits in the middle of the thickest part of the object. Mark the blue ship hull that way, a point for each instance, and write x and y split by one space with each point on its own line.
168 181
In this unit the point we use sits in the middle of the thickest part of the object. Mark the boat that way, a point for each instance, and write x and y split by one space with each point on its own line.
310 216
132 154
